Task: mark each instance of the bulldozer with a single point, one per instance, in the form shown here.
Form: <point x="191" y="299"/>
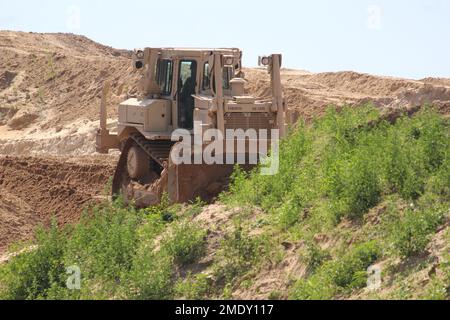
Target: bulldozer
<point x="189" y="91"/>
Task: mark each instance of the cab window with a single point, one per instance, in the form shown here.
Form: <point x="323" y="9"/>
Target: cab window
<point x="207" y="74"/>
<point x="164" y="76"/>
<point x="227" y="75"/>
<point x="206" y="82"/>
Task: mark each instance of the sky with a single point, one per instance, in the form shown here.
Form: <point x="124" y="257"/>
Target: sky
<point x="403" y="38"/>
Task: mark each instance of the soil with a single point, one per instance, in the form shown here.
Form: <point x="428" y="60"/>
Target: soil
<point x="35" y="190"/>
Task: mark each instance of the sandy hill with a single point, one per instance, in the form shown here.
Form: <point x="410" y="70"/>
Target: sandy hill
<point x="50" y="90"/>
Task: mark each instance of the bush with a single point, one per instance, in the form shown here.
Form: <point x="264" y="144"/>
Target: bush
<point x="239" y="252"/>
<point x="30" y="275"/>
<point x="405" y="168"/>
<point x="347" y="273"/>
<point x="434" y="138"/>
<point x="439" y="183"/>
<point x="289" y="213"/>
<point x="186" y="243"/>
<point x="437" y="290"/>
<point x="416" y="149"/>
<point x="193" y="287"/>
<point x="354" y="185"/>
<point x="104" y="242"/>
<point x="315" y="256"/>
<point x="151" y="276"/>
<point x="411" y="233"/>
<point x="351" y="159"/>
<point x="102" y="245"/>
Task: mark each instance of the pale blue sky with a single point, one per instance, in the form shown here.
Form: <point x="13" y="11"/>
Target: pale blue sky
<point x="407" y="38"/>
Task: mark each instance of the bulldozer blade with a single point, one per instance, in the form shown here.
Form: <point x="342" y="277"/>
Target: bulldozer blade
<point x="189" y="182"/>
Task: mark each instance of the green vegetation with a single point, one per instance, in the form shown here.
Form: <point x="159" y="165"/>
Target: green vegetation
<point x="239" y="252"/>
<point x="352" y="191"/>
<point x="411" y="232"/>
<point x="345" y="273"/>
<point x="186" y="243"/>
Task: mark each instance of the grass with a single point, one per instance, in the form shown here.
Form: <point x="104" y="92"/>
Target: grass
<point x="351" y="192"/>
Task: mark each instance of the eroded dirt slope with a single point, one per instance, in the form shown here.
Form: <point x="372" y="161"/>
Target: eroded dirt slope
<point x="34" y="190"/>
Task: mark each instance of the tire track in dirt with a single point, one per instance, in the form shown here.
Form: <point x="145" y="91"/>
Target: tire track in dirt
<point x="34" y="190"/>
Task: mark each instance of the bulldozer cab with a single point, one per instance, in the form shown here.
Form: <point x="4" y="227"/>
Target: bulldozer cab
<point x="187" y="74"/>
<point x="184" y="77"/>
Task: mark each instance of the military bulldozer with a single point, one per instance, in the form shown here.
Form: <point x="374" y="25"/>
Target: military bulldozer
<point x="189" y="91"/>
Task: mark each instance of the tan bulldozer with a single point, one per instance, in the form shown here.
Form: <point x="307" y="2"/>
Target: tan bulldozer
<point x="185" y="94"/>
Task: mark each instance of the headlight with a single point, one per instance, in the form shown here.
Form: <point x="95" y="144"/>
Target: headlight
<point x="228" y="60"/>
<point x="140" y="54"/>
<point x="264" y="61"/>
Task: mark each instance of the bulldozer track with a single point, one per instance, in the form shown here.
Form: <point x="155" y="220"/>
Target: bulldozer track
<point x="159" y="151"/>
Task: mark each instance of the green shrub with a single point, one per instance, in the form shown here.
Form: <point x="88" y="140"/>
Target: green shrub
<point x="416" y="149"/>
<point x="434" y="138"/>
<point x="411" y="233"/>
<point x="320" y="286"/>
<point x="151" y="276"/>
<point x="289" y="213"/>
<point x="436" y="290"/>
<point x="31" y="275"/>
<point x="404" y="168"/>
<point x="193" y="287"/>
<point x="354" y="186"/>
<point x="340" y="275"/>
<point x="239" y="252"/>
<point x="186" y="243"/>
<point x="163" y="210"/>
<point x="315" y="256"/>
<point x="439" y="183"/>
<point x="347" y="271"/>
<point x="103" y="244"/>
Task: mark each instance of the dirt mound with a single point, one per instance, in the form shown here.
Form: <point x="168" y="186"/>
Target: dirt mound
<point x="308" y="94"/>
<point x="35" y="189"/>
<point x="437" y="81"/>
<point x="61" y="75"/>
